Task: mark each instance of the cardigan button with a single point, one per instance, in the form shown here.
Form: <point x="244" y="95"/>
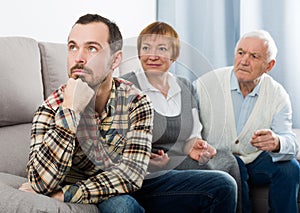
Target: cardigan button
<point x="237" y="141"/>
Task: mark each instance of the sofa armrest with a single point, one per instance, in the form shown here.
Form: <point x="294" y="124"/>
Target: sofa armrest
<point x="14" y="200"/>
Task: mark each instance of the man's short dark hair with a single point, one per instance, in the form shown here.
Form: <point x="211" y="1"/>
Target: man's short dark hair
<point x="115" y="39"/>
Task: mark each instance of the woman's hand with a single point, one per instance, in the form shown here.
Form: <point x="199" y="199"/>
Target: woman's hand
<point x="160" y="159"/>
<point x="201" y="151"/>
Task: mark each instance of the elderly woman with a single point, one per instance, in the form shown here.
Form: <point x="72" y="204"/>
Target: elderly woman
<point x="177" y="141"/>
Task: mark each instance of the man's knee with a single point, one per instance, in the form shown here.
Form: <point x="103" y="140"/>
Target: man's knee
<point x="291" y="169"/>
<point x="121" y="204"/>
<point x="230" y="184"/>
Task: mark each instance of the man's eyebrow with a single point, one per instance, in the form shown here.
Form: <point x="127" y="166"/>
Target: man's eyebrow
<point x="88" y="43"/>
<point x="257" y="54"/>
<point x="71" y="42"/>
<point x="95" y="43"/>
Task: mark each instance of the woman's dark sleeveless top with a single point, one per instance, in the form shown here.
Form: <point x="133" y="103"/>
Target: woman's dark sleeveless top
<point x="170" y="132"/>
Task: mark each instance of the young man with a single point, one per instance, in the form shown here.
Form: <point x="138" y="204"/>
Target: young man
<point x="254" y="121"/>
<point x="91" y="139"/>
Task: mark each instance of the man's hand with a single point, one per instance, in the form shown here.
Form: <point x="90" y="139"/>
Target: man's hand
<point x="160" y="159"/>
<point x="77" y="95"/>
<point x="266" y="140"/>
<point x="59" y="195"/>
<point x="26" y="187"/>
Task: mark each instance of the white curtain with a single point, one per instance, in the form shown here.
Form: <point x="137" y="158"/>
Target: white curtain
<point x="209" y="29"/>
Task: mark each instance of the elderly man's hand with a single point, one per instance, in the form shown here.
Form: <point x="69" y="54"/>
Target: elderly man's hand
<point x="266" y="140"/>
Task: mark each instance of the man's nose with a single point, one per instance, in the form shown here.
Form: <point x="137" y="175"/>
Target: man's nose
<point x="80" y="57"/>
<point x="245" y="59"/>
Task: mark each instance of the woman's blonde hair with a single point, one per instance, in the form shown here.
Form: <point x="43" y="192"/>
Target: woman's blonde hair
<point x="164" y="29"/>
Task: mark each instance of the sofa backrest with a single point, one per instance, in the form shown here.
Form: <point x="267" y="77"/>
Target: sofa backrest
<point x="20" y="80"/>
<point x="54" y="65"/>
<point x="29" y="71"/>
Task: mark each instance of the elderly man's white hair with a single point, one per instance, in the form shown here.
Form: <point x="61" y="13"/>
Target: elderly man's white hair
<point x="265" y="36"/>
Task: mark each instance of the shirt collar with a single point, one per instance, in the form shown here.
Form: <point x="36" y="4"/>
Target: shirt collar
<point x="146" y="86"/>
<point x="111" y="103"/>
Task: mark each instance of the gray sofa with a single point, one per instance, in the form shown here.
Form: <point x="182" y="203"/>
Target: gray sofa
<point x="30" y="71"/>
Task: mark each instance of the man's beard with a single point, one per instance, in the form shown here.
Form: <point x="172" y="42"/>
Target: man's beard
<point x="81" y="67"/>
<point x="90" y="72"/>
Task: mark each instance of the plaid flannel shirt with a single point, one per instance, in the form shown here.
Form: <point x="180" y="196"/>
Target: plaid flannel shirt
<point x="91" y="157"/>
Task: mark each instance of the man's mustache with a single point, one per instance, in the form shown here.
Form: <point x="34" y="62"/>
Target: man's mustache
<point x="81" y="67"/>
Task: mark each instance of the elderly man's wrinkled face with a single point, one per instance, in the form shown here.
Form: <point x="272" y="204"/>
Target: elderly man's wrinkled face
<point x="250" y="60"/>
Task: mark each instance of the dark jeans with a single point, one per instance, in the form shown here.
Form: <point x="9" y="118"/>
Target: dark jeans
<point x="188" y="191"/>
<point x="179" y="191"/>
<point x="282" y="177"/>
<point x="120" y="204"/>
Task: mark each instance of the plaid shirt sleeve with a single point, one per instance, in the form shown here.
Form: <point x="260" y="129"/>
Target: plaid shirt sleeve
<point x="52" y="144"/>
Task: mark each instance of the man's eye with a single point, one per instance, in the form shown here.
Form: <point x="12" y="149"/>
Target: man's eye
<point x="240" y="52"/>
<point x="93" y="49"/>
<point x="72" y="48"/>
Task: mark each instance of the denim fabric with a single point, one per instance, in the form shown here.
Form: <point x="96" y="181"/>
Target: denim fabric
<point x="120" y="204"/>
<point x="188" y="191"/>
<point x="282" y="177"/>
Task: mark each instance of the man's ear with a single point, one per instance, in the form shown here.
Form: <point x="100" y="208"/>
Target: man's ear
<point x="117" y="59"/>
<point x="270" y="65"/>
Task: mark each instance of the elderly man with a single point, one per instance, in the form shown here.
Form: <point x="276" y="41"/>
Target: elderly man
<point x="246" y="111"/>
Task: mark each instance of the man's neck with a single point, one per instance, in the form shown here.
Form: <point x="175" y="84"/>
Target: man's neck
<point x="103" y="94"/>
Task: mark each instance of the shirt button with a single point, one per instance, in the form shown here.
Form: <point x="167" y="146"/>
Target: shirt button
<point x="237" y="141"/>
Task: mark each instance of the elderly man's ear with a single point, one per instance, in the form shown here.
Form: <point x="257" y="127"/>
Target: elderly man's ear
<point x="270" y="65"/>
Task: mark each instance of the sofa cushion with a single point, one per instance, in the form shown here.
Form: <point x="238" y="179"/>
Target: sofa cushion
<point x="259" y="198"/>
<point x="20" y="80"/>
<point x="14" y="200"/>
<point x="14" y="150"/>
<point x="54" y="65"/>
